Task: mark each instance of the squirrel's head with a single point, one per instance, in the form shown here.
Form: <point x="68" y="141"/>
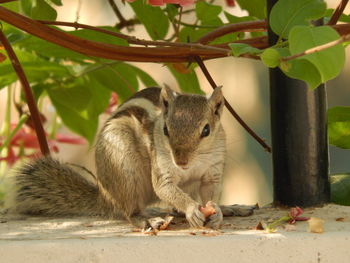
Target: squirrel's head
<point x="190" y="123"/>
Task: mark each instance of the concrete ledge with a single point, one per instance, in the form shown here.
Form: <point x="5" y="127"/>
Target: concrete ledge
<point x="88" y="240"/>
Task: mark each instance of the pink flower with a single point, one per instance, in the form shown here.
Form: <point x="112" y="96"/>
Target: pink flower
<point x="113" y="101"/>
<point x="295" y="213"/>
<point x="68" y="139"/>
<point x="291" y="218"/>
<point x="26" y="138"/>
<point x="230" y="3"/>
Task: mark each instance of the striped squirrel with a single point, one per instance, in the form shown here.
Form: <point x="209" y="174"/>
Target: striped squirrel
<point x="158" y="145"/>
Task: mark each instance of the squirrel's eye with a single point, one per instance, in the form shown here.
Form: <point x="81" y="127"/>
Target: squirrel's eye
<point x="165" y="130"/>
<point x="206" y="131"/>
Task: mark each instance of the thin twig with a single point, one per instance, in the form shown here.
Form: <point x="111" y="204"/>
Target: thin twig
<point x="6" y="1"/>
<point x="77" y="13"/>
<point x="122" y="21"/>
<point x="77" y="25"/>
<point x="229" y="107"/>
<point x="177" y="27"/>
<point x="337" y="13"/>
<point x="34" y="112"/>
<point x="130" y="39"/>
<point x="318" y="48"/>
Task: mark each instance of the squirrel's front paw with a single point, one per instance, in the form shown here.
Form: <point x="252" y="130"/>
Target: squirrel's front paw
<point x="194" y="216"/>
<point x="214" y="221"/>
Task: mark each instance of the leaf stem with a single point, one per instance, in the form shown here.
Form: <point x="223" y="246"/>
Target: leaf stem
<point x="278" y="222"/>
<point x="8" y="139"/>
<point x="318" y="48"/>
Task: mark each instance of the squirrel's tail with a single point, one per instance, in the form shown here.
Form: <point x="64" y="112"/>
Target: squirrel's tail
<point x="50" y="188"/>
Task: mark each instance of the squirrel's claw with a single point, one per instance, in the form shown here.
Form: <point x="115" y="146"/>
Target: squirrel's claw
<point x="214" y="221"/>
<point x="194" y="216"/>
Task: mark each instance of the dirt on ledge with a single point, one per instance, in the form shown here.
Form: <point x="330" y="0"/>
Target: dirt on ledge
<point x="336" y="218"/>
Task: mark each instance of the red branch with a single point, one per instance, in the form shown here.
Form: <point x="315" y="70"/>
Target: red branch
<point x="114" y="52"/>
<point x="338" y="11"/>
<point x="227" y="29"/>
<point x="172" y="52"/>
<point x="34" y="113"/>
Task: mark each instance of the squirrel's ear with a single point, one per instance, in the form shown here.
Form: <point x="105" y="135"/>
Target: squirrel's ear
<point x="167" y="96"/>
<point x="217" y="101"/>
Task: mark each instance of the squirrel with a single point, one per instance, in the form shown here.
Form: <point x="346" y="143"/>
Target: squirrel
<point x="158" y="145"/>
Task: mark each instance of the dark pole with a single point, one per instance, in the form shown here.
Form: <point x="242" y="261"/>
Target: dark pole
<point x="299" y="139"/>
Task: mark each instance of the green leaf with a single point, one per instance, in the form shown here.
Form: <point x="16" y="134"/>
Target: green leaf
<point x="187" y="82"/>
<point x="299" y="69"/>
<point x="79" y="105"/>
<point x="172" y="11"/>
<point x="146" y="79"/>
<point x="340" y="189"/>
<point x="271" y="57"/>
<point x="99" y="37"/>
<point x="236" y="19"/>
<point x="36" y="69"/>
<point x="26" y="7"/>
<point x="255" y="8"/>
<point x="208" y="16"/>
<point x="38" y="90"/>
<point x="190" y="34"/>
<point x="286" y="14"/>
<point x="329" y="62"/>
<point x="342" y="18"/>
<point x="153" y="18"/>
<point x="13" y="6"/>
<point x="13" y="34"/>
<point x="56" y="2"/>
<point x="206" y="11"/>
<point x="241" y="48"/>
<point x="303" y="70"/>
<point x="119" y="77"/>
<point x="42" y="10"/>
<point x="339" y="126"/>
<point x="48" y="50"/>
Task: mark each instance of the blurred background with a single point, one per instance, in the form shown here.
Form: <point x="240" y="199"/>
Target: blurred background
<point x="248" y="176"/>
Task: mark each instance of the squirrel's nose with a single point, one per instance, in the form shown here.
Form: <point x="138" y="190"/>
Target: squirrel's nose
<point x="182" y="164"/>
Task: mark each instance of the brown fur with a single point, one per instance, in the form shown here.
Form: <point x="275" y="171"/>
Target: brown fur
<point x="137" y="163"/>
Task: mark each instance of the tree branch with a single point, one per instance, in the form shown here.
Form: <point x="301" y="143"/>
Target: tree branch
<point x="338" y="11"/>
<point x="6" y="1"/>
<point x="165" y="51"/>
<point x="34" y="112"/>
<point x="231" y="28"/>
<point x="229" y="107"/>
<point x="114" y="52"/>
<point x="134" y="40"/>
<point x="318" y="48"/>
